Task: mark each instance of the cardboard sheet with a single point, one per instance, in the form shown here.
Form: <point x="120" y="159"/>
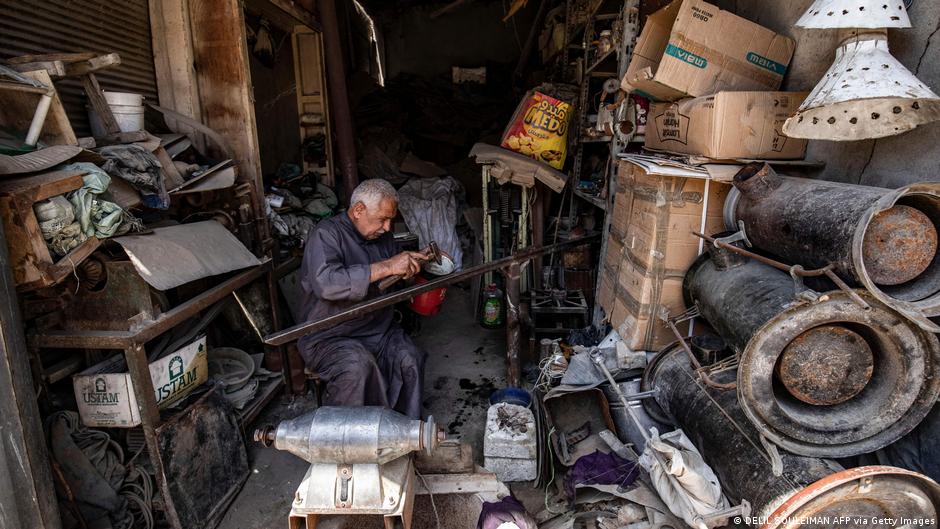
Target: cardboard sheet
<point x="175" y="255"/>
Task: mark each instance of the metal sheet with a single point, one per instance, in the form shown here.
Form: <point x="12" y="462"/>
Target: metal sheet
<point x="175" y="255"/>
<point x="32" y="27"/>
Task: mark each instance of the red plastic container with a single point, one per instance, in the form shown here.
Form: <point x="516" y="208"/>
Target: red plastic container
<point x="428" y="303"/>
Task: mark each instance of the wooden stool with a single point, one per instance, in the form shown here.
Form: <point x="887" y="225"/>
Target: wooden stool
<point x="318" y="384"/>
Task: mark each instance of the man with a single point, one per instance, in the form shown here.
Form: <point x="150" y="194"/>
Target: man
<point x="368" y="361"/>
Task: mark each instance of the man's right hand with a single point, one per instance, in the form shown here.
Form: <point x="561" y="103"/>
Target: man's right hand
<point x="405" y="264"/>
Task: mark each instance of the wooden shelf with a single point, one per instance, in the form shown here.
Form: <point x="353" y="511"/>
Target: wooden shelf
<point x="601" y="59"/>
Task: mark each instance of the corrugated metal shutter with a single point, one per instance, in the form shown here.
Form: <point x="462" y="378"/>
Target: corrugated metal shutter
<point x="30" y="27"/>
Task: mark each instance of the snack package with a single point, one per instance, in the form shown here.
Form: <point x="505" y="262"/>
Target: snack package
<point x="539" y="129"/>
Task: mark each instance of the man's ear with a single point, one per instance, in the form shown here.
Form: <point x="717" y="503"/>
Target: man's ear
<point x="357" y="209"/>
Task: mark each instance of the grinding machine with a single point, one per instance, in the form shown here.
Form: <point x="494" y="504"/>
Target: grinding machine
<point x="835" y="374"/>
<point x="884" y="240"/>
<point x="359" y="459"/>
<point x="784" y="490"/>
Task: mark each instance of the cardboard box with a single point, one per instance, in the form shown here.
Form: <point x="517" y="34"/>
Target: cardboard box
<point x="693" y="48"/>
<point x="106" y="397"/>
<point x="727" y="125"/>
<point x="660" y="213"/>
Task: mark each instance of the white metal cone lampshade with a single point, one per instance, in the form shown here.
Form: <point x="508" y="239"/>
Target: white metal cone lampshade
<point x="865" y="94"/>
<point x="869" y="14"/>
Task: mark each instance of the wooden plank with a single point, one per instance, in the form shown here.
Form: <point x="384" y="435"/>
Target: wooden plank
<point x="53" y="68"/>
<point x="99" y="104"/>
<point x="173" y="177"/>
<point x="52" y="57"/>
<point x="177" y="87"/>
<point x="18" y="108"/>
<point x="480" y="482"/>
<point x="220" y="51"/>
<point x="26" y="485"/>
<point x="92" y="65"/>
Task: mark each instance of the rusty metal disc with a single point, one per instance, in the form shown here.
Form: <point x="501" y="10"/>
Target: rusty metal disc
<point x="902" y="390"/>
<point x="826" y="365"/>
<point x="869" y="496"/>
<point x="899" y="245"/>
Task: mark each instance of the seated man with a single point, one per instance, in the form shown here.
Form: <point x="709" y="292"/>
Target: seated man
<point x="368" y="361"/>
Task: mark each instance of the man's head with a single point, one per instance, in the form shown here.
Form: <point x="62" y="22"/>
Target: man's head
<point x="372" y="207"/>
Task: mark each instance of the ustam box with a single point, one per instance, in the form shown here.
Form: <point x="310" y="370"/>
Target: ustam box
<point x="727" y="125"/>
<point x="661" y="207"/>
<point x="693" y="48"/>
<point x="106" y="397"/>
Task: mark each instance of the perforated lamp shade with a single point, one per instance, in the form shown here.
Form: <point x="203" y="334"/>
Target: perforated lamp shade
<point x="867" y="14"/>
<point x="865" y="94"/>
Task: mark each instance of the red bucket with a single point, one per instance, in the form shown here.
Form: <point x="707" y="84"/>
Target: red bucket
<point x="428" y="303"/>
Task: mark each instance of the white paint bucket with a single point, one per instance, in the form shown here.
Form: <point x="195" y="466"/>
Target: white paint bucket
<point x="128" y="110"/>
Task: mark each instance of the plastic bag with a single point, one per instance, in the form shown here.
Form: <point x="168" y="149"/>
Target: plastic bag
<point x="700" y="492"/>
<point x="539" y="129"/>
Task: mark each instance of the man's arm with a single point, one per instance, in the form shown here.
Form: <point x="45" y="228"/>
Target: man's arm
<point x="325" y="273"/>
<point x="405" y="264"/>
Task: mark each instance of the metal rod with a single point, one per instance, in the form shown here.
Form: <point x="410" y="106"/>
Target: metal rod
<point x="513" y="334"/>
<point x="795" y="269"/>
<point x="298" y="331"/>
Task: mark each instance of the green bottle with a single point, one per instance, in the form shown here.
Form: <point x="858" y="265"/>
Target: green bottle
<point x="492" y="306"/>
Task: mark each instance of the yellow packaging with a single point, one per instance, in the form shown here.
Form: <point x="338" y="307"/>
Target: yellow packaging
<point x="539" y="129"/>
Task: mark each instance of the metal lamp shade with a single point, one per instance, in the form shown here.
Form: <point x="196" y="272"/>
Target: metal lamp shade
<point x="866" y="94"/>
<point x="833" y="14"/>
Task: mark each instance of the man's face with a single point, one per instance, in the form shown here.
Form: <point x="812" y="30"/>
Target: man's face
<point x="371" y="223"/>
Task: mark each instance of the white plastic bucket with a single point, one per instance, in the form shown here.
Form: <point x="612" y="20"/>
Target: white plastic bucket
<point x="128" y="110"/>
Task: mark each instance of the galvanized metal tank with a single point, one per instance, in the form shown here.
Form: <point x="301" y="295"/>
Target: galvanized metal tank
<point x="807" y="491"/>
<point x="882" y="239"/>
<point x="824" y="378"/>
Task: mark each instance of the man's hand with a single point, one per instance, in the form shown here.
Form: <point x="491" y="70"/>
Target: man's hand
<point x="405" y="264"/>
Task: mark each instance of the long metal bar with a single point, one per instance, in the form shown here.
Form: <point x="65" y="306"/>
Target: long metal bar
<point x="298" y="331"/>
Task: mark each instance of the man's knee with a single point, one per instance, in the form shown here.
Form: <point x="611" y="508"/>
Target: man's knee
<point x="355" y="360"/>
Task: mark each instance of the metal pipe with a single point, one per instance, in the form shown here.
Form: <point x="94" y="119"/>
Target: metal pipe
<point x="339" y="96"/>
<point x="882" y="239"/>
<point x="513" y="333"/>
<point x="39" y="118"/>
<point x="803" y="487"/>
<point x="298" y="331"/>
<point x="817" y="375"/>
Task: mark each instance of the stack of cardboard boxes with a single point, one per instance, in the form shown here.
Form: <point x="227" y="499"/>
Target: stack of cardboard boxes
<point x="712" y="77"/>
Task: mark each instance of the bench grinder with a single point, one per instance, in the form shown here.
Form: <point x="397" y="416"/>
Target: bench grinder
<point x="359" y="461"/>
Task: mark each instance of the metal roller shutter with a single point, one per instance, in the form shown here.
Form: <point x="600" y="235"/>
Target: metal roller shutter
<point x="30" y="27"/>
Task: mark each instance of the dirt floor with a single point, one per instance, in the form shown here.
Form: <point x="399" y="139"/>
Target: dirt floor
<point x="465" y="364"/>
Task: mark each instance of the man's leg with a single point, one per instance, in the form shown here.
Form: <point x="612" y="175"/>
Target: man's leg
<point x="351" y="374"/>
<point x="402" y="363"/>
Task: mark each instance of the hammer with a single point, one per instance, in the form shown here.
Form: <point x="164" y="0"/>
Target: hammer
<point x="431" y="253"/>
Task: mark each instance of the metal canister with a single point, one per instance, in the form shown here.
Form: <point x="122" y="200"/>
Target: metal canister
<point x="884" y="240"/>
<point x="804" y="491"/>
<point x="819" y="376"/>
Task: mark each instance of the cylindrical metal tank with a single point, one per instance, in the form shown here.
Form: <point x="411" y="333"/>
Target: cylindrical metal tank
<point x="806" y="488"/>
<point x="882" y="239"/>
<point x="352" y="435"/>
<point x="826" y="378"/>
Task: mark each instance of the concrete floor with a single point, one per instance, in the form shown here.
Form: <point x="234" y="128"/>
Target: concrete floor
<point x="465" y="364"/>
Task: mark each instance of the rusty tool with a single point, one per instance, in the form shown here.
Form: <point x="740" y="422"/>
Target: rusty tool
<point x="431" y="253"/>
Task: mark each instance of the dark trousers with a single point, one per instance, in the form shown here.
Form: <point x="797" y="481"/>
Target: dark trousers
<point x="389" y="374"/>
